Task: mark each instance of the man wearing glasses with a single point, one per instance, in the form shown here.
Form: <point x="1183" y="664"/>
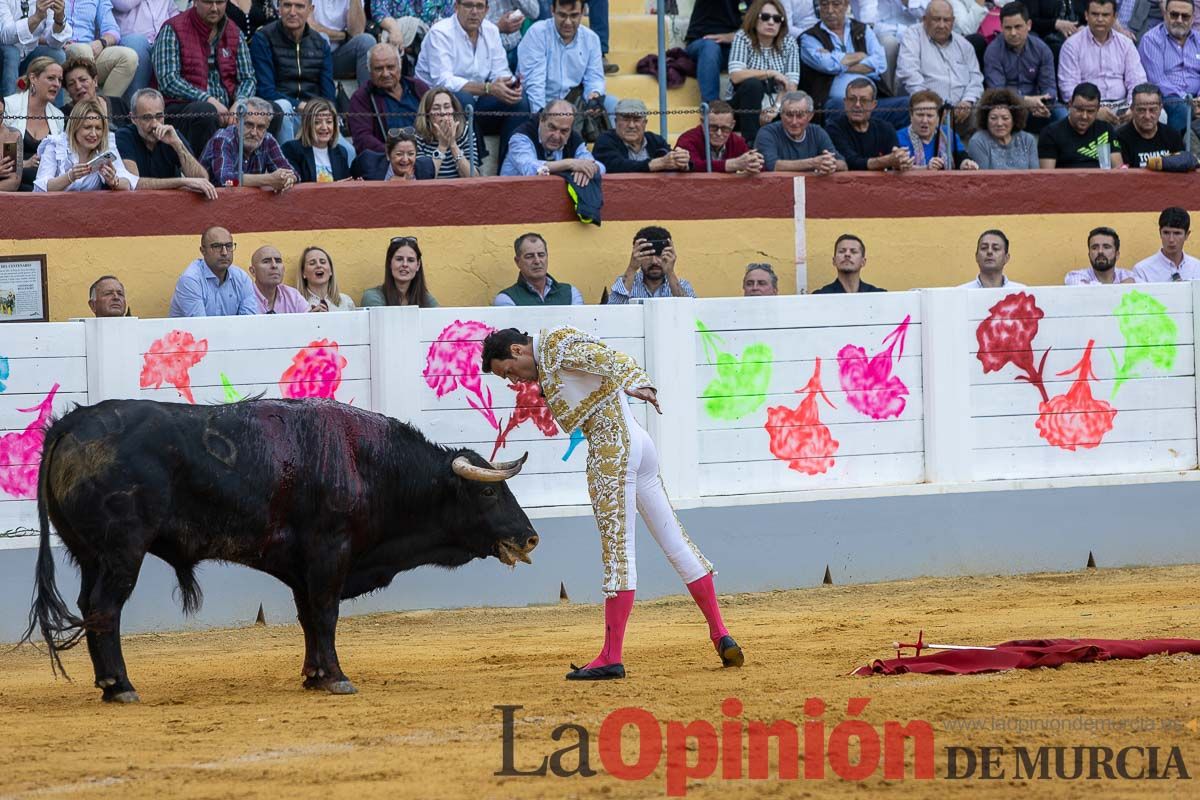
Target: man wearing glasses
<point x="727" y="150"/>
<point x="211" y="286"/>
<point x="1170" y="52"/>
<point x="1170" y="263"/>
<point x="154" y="152"/>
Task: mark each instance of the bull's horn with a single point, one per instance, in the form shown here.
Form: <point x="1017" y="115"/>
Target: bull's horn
<point x="507" y="465"/>
<point x="465" y="469"/>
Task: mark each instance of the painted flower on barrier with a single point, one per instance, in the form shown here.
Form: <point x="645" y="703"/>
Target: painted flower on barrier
<point x="170" y="359"/>
<point x="869" y="384"/>
<point x="21" y="453"/>
<point x="1150" y="335"/>
<point x="453" y="362"/>
<point x="741" y="383"/>
<point x="1076" y="419"/>
<point x="797" y="435"/>
<point x="1006" y="337"/>
<point x="530" y="405"/>
<point x="316" y="371"/>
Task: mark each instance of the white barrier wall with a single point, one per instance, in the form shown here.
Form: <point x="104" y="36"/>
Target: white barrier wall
<point x="762" y="396"/>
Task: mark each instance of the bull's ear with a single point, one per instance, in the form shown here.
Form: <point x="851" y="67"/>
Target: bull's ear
<point x="465" y="469"/>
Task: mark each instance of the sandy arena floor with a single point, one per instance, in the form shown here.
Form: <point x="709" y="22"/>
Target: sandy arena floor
<point x="223" y="714"/>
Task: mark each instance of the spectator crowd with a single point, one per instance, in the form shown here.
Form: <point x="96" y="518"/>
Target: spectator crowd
<point x="129" y="94"/>
<point x="213" y="285"/>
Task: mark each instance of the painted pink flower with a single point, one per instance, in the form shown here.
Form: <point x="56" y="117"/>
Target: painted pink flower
<point x="170" y="359"/>
<point x="316" y="371"/>
<point x="453" y="362"/>
<point x="1006" y="337"/>
<point x="21" y="453"/>
<point x="797" y="436"/>
<point x="869" y="384"/>
<point x="1076" y="419"/>
<point x="530" y="405"/>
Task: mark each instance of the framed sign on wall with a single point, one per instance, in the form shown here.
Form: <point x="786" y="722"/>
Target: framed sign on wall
<point x="23" y="295"/>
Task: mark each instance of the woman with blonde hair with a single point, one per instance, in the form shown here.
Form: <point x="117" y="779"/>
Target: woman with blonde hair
<point x="84" y="157"/>
<point x="32" y="113"/>
<point x="318" y="283"/>
<point x="316" y="155"/>
<point x="443" y="136"/>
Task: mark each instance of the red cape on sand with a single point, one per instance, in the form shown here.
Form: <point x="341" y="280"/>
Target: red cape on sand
<point x="1027" y="654"/>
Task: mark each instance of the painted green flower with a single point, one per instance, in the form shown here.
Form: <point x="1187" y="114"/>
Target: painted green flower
<point x="740" y="387"/>
<point x="1150" y="335"/>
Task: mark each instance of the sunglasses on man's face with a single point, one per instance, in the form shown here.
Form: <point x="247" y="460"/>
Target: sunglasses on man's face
<point x="771" y="18"/>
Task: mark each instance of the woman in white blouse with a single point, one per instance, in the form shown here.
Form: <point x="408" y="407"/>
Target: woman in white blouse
<point x="318" y="284"/>
<point x="65" y="157"/>
<point x="764" y="63"/>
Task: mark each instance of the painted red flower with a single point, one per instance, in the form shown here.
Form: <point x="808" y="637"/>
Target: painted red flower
<point x="170" y="359"/>
<point x="1076" y="419"/>
<point x="530" y="405"/>
<point x="1006" y="337"/>
<point x="797" y="435"/>
<point x="870" y="385"/>
<point x="21" y="453"/>
<point x="316" y="371"/>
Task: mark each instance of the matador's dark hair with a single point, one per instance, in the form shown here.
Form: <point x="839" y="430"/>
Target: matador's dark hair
<point x="498" y="345"/>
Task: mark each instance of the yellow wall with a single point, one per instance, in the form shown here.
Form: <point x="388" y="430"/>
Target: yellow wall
<point x="925" y="252"/>
<point x="465" y="266"/>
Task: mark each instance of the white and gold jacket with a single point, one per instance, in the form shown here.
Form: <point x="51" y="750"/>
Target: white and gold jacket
<point x="579" y="374"/>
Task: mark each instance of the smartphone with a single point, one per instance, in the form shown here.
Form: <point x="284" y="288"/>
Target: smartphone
<point x="99" y="161"/>
<point x="659" y="245"/>
<point x="10" y="150"/>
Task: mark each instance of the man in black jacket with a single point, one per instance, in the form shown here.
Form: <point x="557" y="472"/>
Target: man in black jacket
<point x="293" y="64"/>
<point x="631" y="148"/>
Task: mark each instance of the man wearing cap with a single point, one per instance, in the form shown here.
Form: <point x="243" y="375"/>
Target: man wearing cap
<point x="631" y="148"/>
<point x="558" y="55"/>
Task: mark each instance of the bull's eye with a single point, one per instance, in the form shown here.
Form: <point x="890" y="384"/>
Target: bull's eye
<point x="489" y="492"/>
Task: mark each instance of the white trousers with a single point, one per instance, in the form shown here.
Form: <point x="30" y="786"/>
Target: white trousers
<point x="623" y="481"/>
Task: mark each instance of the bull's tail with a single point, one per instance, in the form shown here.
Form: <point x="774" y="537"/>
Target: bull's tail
<point x="60" y="629"/>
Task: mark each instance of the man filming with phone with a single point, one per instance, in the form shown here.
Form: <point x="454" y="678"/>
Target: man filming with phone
<point x="651" y="270"/>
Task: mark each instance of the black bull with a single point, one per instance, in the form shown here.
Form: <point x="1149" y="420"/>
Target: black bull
<point x="331" y="500"/>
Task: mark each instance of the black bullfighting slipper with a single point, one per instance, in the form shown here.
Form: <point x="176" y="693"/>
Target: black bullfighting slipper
<point x="731" y="652"/>
<point x="607" y="672"/>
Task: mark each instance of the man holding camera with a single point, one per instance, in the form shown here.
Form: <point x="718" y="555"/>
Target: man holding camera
<point x="651" y="270"/>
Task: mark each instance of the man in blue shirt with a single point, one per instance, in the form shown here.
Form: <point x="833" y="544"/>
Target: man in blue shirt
<point x="96" y="36"/>
<point x="211" y="286"/>
<point x="549" y="145"/>
<point x="557" y="55"/>
<point x="1170" y="52"/>
<point x="1020" y="61"/>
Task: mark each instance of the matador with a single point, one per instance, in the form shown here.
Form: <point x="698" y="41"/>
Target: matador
<point x="587" y="385"/>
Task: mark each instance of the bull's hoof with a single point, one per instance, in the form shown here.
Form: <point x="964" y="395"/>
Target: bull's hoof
<point x="343" y="686"/>
<point x="127" y="696"/>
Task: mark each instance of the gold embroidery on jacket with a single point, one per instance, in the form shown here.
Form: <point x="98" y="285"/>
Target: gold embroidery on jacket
<point x="565" y="347"/>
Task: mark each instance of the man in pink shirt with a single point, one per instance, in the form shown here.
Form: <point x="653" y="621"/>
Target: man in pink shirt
<point x="1096" y="54"/>
<point x="274" y="297"/>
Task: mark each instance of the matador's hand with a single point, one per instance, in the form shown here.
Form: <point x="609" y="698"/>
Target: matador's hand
<point x="646" y="393"/>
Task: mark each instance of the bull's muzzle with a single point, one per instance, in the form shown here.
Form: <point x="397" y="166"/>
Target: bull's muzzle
<point x="509" y="552"/>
